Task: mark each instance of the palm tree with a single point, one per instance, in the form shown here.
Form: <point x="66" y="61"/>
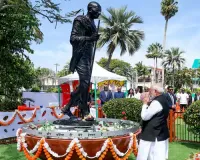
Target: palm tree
<point x="173" y="59"/>
<point x="117" y="32"/>
<point x="142" y="70"/>
<point x="168" y="9"/>
<point x="155" y="51"/>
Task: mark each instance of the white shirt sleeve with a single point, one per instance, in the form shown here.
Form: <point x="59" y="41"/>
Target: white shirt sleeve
<point x="148" y="113"/>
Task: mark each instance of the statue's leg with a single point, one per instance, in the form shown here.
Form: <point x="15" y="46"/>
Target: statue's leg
<point x="84" y="85"/>
<point x="74" y="97"/>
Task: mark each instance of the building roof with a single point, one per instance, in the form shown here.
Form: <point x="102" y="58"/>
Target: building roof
<point x="196" y="64"/>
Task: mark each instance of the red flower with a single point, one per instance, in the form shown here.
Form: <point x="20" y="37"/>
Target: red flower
<point x="123" y="113"/>
<point x="125" y="118"/>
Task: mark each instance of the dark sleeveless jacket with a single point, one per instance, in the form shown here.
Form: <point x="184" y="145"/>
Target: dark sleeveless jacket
<point x="157" y="127"/>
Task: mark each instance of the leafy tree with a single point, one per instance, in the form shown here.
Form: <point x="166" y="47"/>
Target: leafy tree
<point x="43" y="73"/>
<point x="169" y="8"/>
<point x="173" y="60"/>
<point x="16" y="73"/>
<point x="65" y="71"/>
<point x="119" y="67"/>
<point x="19" y="28"/>
<point x="118" y="32"/>
<point x="155" y="51"/>
<point x="142" y="71"/>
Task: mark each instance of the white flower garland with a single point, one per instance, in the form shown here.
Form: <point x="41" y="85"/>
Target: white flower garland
<point x="21" y="141"/>
<point x="18" y="139"/>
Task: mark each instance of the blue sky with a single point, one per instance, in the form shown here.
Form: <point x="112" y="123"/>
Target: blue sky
<point x="183" y="32"/>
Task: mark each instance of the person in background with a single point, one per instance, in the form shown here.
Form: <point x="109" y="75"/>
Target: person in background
<point x="198" y="96"/>
<point x="154" y="137"/>
<point x="130" y="93"/>
<point x="183" y="99"/>
<point x="189" y="98"/>
<point x="105" y="95"/>
<point x="119" y="93"/>
<point x="171" y="98"/>
<point x="137" y="94"/>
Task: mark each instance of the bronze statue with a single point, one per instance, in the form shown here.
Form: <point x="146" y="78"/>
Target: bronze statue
<point x="83" y="37"/>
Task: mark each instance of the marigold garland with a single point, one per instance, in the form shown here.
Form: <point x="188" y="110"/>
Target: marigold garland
<point x="76" y="147"/>
<point x="20" y="116"/>
<point x="61" y="115"/>
<point x="3" y="123"/>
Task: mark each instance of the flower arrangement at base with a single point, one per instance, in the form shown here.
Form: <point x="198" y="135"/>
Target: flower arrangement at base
<point x="194" y="156"/>
<point x="75" y="146"/>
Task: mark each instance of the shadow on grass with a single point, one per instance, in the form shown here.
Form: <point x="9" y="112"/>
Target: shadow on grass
<point x="191" y="145"/>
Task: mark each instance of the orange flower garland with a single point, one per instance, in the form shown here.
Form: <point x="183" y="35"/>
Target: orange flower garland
<point x="55" y="114"/>
<point x="37" y="154"/>
<point x="30" y="119"/>
<point x="77" y="149"/>
<point x="20" y="116"/>
<point x="9" y="122"/>
<point x="135" y="148"/>
<point x="61" y="115"/>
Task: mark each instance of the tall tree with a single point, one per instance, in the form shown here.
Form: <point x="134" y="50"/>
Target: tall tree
<point x="173" y="59"/>
<point x="65" y="71"/>
<point x="142" y="71"/>
<point x="42" y="74"/>
<point x="155" y="51"/>
<point x="120" y="67"/>
<point x="117" y="32"/>
<point x="168" y="9"/>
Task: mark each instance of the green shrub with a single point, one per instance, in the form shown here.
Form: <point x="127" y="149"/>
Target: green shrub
<point x="92" y="93"/>
<point x="35" y="89"/>
<point x="126" y="107"/>
<point x="8" y="104"/>
<point x="192" y="117"/>
<point x="53" y="90"/>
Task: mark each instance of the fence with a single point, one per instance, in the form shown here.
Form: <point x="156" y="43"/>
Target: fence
<point x="179" y="130"/>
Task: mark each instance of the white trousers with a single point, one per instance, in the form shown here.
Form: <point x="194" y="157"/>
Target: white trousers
<point x="157" y="150"/>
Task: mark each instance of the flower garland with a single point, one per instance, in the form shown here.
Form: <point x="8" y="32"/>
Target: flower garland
<point x="3" y="123"/>
<point x="76" y="145"/>
<point x="61" y="115"/>
<point x="20" y="116"/>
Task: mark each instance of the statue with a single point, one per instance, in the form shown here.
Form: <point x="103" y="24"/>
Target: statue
<point x="83" y="37"/>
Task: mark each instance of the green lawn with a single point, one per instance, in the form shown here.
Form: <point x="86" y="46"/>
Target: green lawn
<point x="177" y="151"/>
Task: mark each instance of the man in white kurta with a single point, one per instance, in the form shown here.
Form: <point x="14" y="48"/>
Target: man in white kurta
<point x="153" y="150"/>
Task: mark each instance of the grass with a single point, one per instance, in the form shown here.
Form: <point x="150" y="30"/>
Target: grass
<point x="177" y="151"/>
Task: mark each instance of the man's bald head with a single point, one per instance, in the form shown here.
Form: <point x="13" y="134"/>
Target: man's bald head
<point x="94" y="9"/>
<point x="92" y="5"/>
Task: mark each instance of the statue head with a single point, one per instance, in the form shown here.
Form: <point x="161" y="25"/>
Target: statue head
<point x="94" y="10"/>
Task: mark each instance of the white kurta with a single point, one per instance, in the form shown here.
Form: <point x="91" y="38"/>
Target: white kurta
<point x="147" y="150"/>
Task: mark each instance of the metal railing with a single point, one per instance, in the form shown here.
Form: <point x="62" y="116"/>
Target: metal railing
<point x="179" y="130"/>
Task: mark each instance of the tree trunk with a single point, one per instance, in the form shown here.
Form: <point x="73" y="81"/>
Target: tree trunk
<point x="109" y="60"/>
<point x="156" y="70"/>
<point x="173" y="75"/>
<point x="144" y="82"/>
<point x="164" y="43"/>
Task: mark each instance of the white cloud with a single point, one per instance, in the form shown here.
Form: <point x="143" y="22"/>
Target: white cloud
<point x="47" y="58"/>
